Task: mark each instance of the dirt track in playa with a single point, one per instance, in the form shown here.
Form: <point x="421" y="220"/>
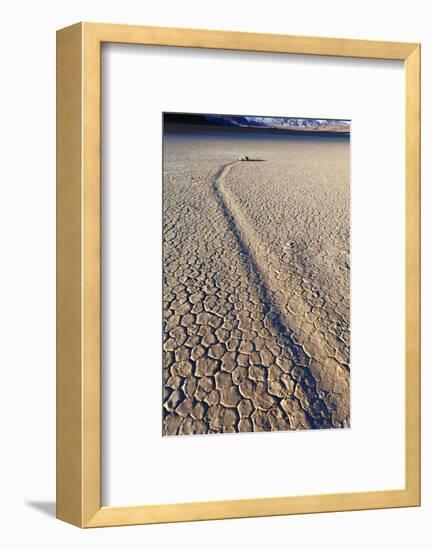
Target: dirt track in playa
<point x="256" y="283"/>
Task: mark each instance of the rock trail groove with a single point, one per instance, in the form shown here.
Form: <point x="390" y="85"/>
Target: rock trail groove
<point x="263" y="268"/>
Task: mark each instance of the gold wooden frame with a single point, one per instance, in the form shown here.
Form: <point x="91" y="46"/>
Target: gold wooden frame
<point x="78" y="275"/>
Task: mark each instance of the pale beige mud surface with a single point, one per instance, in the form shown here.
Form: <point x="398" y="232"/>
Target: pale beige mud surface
<point x="256" y="283"/>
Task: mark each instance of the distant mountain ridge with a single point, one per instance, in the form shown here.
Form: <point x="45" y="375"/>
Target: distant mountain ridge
<point x="281" y="123"/>
<point x="272" y="124"/>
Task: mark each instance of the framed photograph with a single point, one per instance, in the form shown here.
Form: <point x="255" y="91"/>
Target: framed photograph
<point x="238" y="275"/>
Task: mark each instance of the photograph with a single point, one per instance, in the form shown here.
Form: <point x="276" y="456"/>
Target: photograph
<point x="256" y="273"/>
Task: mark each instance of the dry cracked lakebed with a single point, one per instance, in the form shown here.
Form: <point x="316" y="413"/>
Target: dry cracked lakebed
<point x="256" y="284"/>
